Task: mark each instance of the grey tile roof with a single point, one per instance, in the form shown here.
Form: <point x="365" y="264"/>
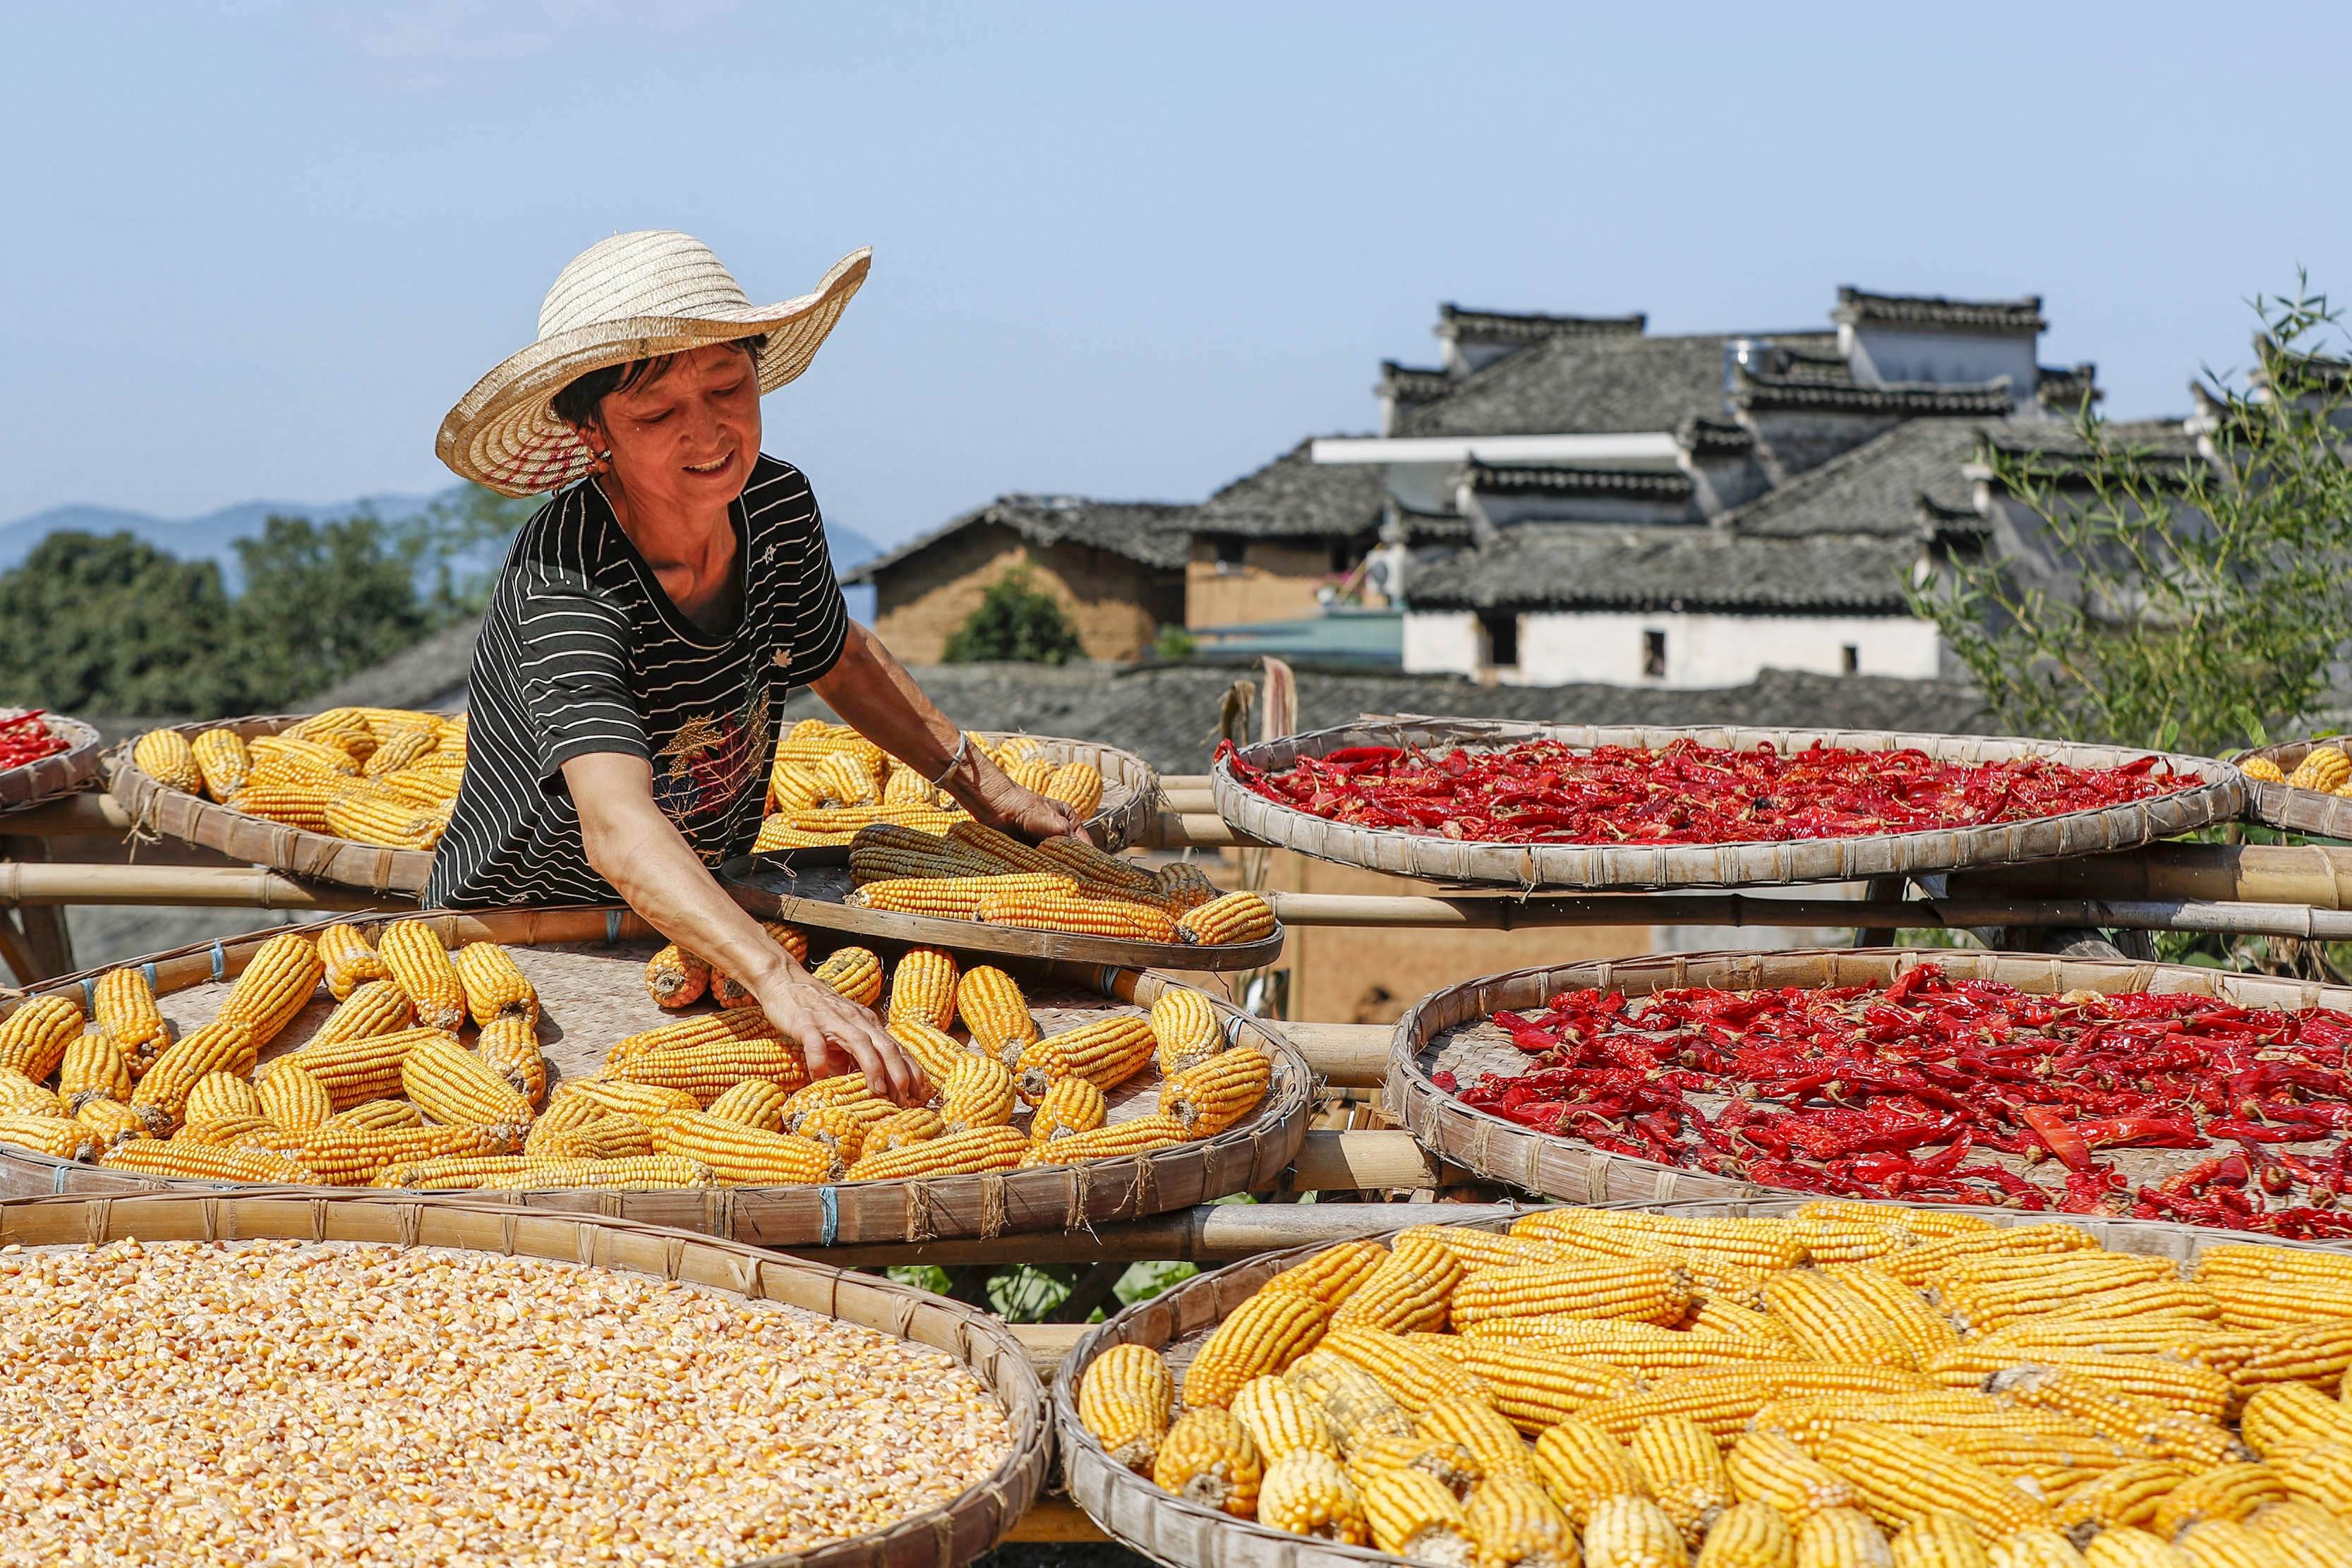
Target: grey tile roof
<point x="1167" y="714"/>
<point x="1157" y="533"/>
<point x="1573" y="566"/>
<point x="2063" y="387"/>
<point x="1412" y="382"/>
<point x="1294" y="497"/>
<point x="1713" y="439"/>
<point x="1540" y="480"/>
<point x="1875" y="489"/>
<point x="1843" y="395"/>
<point x="1861" y="305"/>
<point x="1590" y="385"/>
<point x="433" y="674"/>
<point x="1530" y="327"/>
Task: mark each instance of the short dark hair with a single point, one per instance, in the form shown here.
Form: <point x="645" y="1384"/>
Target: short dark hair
<point x="582" y="400"/>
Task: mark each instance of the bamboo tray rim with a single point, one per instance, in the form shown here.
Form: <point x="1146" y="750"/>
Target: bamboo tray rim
<point x="2219" y="795"/>
<point x="70" y="771"/>
<point x="1244" y="1157"/>
<point x="1572" y="1170"/>
<point x="1133" y="1511"/>
<point x="955" y="1531"/>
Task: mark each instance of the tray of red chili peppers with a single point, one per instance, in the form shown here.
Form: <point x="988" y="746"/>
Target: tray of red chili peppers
<point x="2156" y="1091"/>
<point x="44" y="756"/>
<point x="1564" y="806"/>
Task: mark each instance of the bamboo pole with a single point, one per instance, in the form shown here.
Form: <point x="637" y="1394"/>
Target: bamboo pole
<point x="1347" y="1056"/>
<point x="221" y="887"/>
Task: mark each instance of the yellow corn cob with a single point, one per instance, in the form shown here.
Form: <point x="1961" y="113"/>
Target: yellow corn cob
<point x="297" y="749"/>
<point x="291" y="1098"/>
<point x="366" y="815"/>
<point x="1077" y="784"/>
<point x="1208" y="1458"/>
<point x="1232" y="917"/>
<point x="793" y="787"/>
<point x="923" y="987"/>
<point x="1841" y="1538"/>
<point x="1413" y="1515"/>
<point x="1479" y="1249"/>
<point x="1183" y="885"/>
<point x="92" y="1068"/>
<point x="2125" y="1547"/>
<point x="375" y="1008"/>
<point x="1030" y="772"/>
<point x="414" y="953"/>
<point x="296" y="803"/>
<point x="2241" y="1261"/>
<point x="222" y="763"/>
<point x="1980" y="1310"/>
<point x="1113" y="1140"/>
<point x="1448" y="1464"/>
<point x="905" y="786"/>
<point x="614" y="1136"/>
<point x="1513" y="1521"/>
<point x="730" y="991"/>
<point x="2126" y="1494"/>
<point x="162" y="1095"/>
<point x="1534" y="1389"/>
<point x="842" y="1128"/>
<point x="651" y="1102"/>
<point x="676" y="978"/>
<point x="754" y="1102"/>
<point x="509" y="1047"/>
<point x="993" y="1009"/>
<point x="524" y="1173"/>
<point x="347" y="730"/>
<point x="234" y="1130"/>
<point x="2223" y="1543"/>
<point x="933" y="1051"/>
<point x="565" y="1114"/>
<point x="843" y="1088"/>
<point x="1724" y="1402"/>
<point x="1105" y="1053"/>
<point x="1125" y="1401"/>
<point x="855" y="972"/>
<point x="426" y="791"/>
<point x="1901" y="1479"/>
<point x="1307" y="1493"/>
<point x="1263" y="1334"/>
<point x="33" y="1038"/>
<point x="111" y="1121"/>
<point x="400" y="746"/>
<point x="363" y="1068"/>
<point x="125" y="1007"/>
<point x="1832" y="1236"/>
<point x="2319" y="1534"/>
<point x="1332" y="1275"/>
<point x="354" y="1156"/>
<point x="967" y="1154"/>
<point x="348" y="959"/>
<point x="165" y="756"/>
<point x="1401" y="1299"/>
<point x="2323" y="768"/>
<point x="1090" y="866"/>
<point x="219" y="1096"/>
<point x="205" y="1162"/>
<point x="902" y="1130"/>
<point x="2261" y="768"/>
<point x="870" y="861"/>
<point x="1080" y="913"/>
<point x="1643" y="1349"/>
<point x="1919" y="1329"/>
<point x="371" y="1113"/>
<point x="955" y="898"/>
<point x="1006" y="850"/>
<point x="706" y="1072"/>
<point x="1219" y="1092"/>
<point x="1765" y="1465"/>
<point x="1186" y="1030"/>
<point x="20" y="1096"/>
<point x="2227" y="1350"/>
<point x="2320" y="1474"/>
<point x="58" y="1137"/>
<point x="1685" y="1470"/>
<point x="1712" y="1315"/>
<point x="1353" y="1404"/>
<point x="978" y="1093"/>
<point x="735" y="1026"/>
<point x="845" y="779"/>
<point x="1626" y="1531"/>
<point x="2273" y="1304"/>
<point x="1751" y="1246"/>
<point x="1751" y="1535"/>
<point x="1071" y="1106"/>
<point x="1834" y="1322"/>
<point x="1917" y="1266"/>
<point x="2227" y="1492"/>
<point x="1472" y="1421"/>
<point x="2284" y="1416"/>
<point x="2192" y="1390"/>
<point x="1414" y="1378"/>
<point x="1646" y="1289"/>
<point x="452" y="1085"/>
<point x="2315" y="1353"/>
<point x="494" y="985"/>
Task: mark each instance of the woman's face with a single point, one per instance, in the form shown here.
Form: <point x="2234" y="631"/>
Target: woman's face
<point x="683" y="441"/>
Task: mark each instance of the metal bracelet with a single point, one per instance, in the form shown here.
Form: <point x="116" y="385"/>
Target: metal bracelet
<point x="963" y="749"/>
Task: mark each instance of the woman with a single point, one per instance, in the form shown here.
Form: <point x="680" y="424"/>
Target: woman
<point x="652" y="617"/>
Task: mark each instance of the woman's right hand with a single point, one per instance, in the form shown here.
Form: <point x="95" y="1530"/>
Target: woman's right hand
<point x="838" y="1036"/>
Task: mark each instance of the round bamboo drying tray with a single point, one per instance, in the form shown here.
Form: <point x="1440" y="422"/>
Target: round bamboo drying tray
<point x="971" y="1525"/>
<point x="158" y="808"/>
<point x="2217" y="798"/>
<point x="1130" y="802"/>
<point x="588" y="965"/>
<point x="1448" y="1031"/>
<point x="70" y="771"/>
<point x="2306" y="811"/>
<point x="811" y="896"/>
<point x="1171" y="1529"/>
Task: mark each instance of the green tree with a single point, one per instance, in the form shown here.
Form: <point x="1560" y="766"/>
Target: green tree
<point x="461" y="536"/>
<point x="322" y="600"/>
<point x="2164" y="599"/>
<point x="112" y="624"/>
<point x="1018" y="621"/>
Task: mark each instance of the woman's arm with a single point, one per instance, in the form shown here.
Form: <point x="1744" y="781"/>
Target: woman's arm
<point x="634" y="846"/>
<point x="875" y="695"/>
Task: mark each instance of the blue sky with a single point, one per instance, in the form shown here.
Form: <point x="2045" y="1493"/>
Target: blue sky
<point x="258" y="248"/>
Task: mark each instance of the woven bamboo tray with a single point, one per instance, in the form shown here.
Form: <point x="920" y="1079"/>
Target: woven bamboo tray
<point x="70" y="771"/>
<point x="1130" y="802"/>
<point x="811" y="896"/>
<point x="935" y="1538"/>
<point x="588" y="965"/>
<point x="1448" y="1031"/>
<point x="2305" y="811"/>
<point x="1166" y="1527"/>
<point x="1430" y="857"/>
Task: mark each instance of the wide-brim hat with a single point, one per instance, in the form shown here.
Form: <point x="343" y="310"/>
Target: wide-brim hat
<point x="631" y="297"/>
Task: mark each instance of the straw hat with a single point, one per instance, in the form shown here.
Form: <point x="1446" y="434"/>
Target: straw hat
<point x="628" y="298"/>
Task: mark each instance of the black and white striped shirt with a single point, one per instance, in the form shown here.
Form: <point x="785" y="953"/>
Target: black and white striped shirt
<point x="582" y="651"/>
